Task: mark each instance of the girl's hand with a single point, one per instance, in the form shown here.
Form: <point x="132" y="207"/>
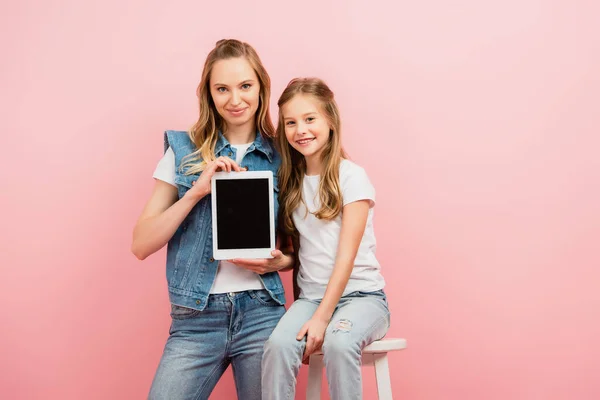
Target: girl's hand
<point x="201" y="187"/>
<point x="314" y="330"/>
<point x="263" y="265"/>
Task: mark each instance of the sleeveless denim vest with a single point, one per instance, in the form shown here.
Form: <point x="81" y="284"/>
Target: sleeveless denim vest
<point x="191" y="269"/>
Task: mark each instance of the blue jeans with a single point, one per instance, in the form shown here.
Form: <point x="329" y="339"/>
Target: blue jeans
<point x="232" y="329"/>
<point x="359" y="319"/>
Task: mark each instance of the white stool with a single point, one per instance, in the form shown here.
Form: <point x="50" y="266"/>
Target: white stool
<point x="374" y="354"/>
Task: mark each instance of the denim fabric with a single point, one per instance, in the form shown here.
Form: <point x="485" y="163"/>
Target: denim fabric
<point x="359" y="319"/>
<point x="231" y="329"/>
<point x="191" y="269"/>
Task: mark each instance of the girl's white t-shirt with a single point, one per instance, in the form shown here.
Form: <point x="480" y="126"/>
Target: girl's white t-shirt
<point x="230" y="277"/>
<point x="319" y="238"/>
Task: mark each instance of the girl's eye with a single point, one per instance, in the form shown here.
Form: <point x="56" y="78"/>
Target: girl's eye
<point x="289" y="123"/>
<point x="310" y="119"/>
<point x="246" y="86"/>
<point x="221" y="90"/>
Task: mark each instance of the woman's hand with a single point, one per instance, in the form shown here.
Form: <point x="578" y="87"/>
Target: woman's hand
<point x="201" y="187"/>
<point x="264" y="265"/>
<point x="314" y="330"/>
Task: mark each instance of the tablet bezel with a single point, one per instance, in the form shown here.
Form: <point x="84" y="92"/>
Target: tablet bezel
<point x="228" y="254"/>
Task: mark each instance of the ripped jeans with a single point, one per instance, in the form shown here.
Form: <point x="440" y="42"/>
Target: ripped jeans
<point x="359" y="319"/>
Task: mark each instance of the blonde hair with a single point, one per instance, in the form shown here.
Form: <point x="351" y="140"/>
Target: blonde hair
<point x="293" y="164"/>
<point x="205" y="131"/>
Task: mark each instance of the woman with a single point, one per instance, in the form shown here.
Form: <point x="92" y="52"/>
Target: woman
<point x="221" y="313"/>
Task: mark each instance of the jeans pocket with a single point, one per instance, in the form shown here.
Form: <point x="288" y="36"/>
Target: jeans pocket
<point x="180" y="312"/>
<point x="379" y="294"/>
<point x="263" y="297"/>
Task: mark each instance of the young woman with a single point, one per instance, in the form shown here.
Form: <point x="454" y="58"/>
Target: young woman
<point x="221" y="314"/>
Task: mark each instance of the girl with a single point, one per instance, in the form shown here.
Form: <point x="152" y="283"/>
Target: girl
<point x="327" y="204"/>
<point x="221" y="313"/>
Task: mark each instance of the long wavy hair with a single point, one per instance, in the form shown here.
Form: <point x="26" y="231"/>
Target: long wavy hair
<point x="293" y="164"/>
<point x="205" y="131"/>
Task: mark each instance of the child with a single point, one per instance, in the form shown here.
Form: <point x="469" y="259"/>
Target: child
<point x="327" y="204"/>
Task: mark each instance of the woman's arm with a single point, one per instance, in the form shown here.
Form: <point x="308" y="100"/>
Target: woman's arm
<point x="160" y="218"/>
<point x="283" y="259"/>
<point x="163" y="213"/>
<point x="354" y="221"/>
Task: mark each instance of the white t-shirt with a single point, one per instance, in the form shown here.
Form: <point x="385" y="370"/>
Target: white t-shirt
<point x="319" y="238"/>
<point x="230" y="277"/>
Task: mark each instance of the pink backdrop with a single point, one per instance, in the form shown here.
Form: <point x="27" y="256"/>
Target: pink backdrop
<point x="477" y="122"/>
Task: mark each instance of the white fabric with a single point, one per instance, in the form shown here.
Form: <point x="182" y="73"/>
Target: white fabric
<point x="230" y="277"/>
<point x="165" y="170"/>
<point x="319" y="238"/>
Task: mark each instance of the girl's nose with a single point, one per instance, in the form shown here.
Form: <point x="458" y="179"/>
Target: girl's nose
<point x="301" y="128"/>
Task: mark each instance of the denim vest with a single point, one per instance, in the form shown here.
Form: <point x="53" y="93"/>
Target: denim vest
<point x="191" y="269"/>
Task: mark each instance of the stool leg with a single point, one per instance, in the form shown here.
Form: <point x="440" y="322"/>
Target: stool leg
<point x="382" y="374"/>
<point x="315" y="374"/>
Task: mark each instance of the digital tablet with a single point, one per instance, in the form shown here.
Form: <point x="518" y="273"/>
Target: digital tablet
<point x="242" y="215"/>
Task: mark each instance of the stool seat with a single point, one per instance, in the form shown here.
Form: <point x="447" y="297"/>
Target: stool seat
<point x="374" y="354"/>
<point x="380" y="346"/>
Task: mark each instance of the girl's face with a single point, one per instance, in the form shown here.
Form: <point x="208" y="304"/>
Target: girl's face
<point x="306" y="127"/>
<point x="235" y="90"/>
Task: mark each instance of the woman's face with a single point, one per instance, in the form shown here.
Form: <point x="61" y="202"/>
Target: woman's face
<point x="235" y="90"/>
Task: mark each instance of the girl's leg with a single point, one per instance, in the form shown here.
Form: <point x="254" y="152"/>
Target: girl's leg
<point x="360" y="319"/>
<point x="255" y="315"/>
<point x="195" y="355"/>
<point x="283" y="353"/>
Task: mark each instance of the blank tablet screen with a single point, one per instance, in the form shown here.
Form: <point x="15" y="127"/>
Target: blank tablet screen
<point x="243" y="219"/>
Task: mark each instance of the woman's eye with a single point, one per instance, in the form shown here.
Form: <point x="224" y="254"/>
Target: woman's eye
<point x="221" y="90"/>
<point x="246" y="86"/>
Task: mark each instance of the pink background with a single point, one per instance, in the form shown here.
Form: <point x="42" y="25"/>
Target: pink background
<point x="477" y="122"/>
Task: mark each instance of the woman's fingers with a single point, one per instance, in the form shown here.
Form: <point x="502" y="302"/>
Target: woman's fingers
<point x="224" y="164"/>
<point x="230" y="165"/>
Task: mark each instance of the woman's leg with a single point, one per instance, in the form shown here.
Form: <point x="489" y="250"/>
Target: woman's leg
<point x="254" y="316"/>
<point x="359" y="319"/>
<point x="195" y="355"/>
<point x="283" y="353"/>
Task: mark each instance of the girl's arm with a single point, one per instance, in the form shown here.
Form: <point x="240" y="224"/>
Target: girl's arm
<point x="163" y="213"/>
<point x="354" y="221"/>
